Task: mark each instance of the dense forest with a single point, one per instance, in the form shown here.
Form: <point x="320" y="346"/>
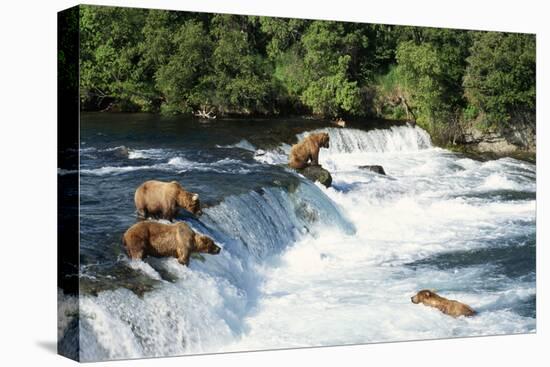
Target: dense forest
<point x="181" y="62"/>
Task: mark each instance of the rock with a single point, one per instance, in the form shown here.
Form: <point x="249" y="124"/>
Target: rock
<point x="317" y="173"/>
<point x="518" y="135"/>
<point x="374" y="168"/>
<point x="122" y="152"/>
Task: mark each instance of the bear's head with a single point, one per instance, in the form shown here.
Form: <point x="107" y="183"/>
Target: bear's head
<point x="323" y="140"/>
<point x="423" y="296"/>
<point x="206" y="245"/>
<point x="189" y="201"/>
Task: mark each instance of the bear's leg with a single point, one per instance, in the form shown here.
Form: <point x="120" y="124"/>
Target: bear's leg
<point x="136" y="253"/>
<point x="297" y="164"/>
<point x="173" y="213"/>
<point x="315" y="158"/>
<point x="168" y="213"/>
<point x="183" y="256"/>
<point x="141" y="213"/>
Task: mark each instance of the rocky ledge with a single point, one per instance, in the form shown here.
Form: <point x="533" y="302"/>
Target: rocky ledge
<point x="517" y="136"/>
<point x="317" y="173"/>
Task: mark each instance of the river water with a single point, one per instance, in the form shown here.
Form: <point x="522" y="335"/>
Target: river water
<point x="301" y="265"/>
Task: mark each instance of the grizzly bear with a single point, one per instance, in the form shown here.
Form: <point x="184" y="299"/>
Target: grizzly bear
<point x="156" y="239"/>
<point x="308" y="149"/>
<point x="161" y="200"/>
<point x="447" y="306"/>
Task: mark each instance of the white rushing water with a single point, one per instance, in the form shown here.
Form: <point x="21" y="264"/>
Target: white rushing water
<point x="313" y="266"/>
<point x="336" y="289"/>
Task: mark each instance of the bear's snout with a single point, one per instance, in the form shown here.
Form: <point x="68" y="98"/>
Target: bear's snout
<point x="414" y="299"/>
<point x="214" y="250"/>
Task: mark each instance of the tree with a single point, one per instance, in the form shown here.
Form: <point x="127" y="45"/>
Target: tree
<point x="421" y="71"/>
<point x="110" y="55"/>
<point x="240" y="79"/>
<point x="500" y="77"/>
<point x="181" y="62"/>
<point x="179" y="77"/>
<point x="331" y="57"/>
<point x="282" y="33"/>
<point x="333" y="93"/>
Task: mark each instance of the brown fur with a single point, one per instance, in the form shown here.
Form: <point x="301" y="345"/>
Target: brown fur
<point x="308" y="150"/>
<point x="447" y="306"/>
<point x="162" y="199"/>
<point x="157" y="239"/>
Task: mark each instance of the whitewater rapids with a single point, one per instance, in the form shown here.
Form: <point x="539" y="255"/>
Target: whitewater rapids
<point x="309" y="266"/>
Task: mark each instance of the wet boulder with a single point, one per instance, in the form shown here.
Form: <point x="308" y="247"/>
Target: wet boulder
<point x="317" y="173"/>
<point x="121" y="152"/>
<point x="374" y="168"/>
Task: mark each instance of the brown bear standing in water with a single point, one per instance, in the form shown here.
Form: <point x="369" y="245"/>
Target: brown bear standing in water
<point x="308" y="149"/>
<point x="448" y="307"/>
<point x="162" y="199"/>
<point x="159" y="240"/>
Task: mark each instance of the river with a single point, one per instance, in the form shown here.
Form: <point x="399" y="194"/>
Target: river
<point x="301" y="265"/>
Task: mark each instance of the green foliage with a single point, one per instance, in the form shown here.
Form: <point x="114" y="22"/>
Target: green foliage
<point x="390" y="83"/>
<point x="330" y="58"/>
<point x="240" y="79"/>
<point x="470" y="113"/>
<point x="179" y="78"/>
<point x="392" y="96"/>
<point x="283" y="33"/>
<point x="431" y="64"/>
<point x="421" y="70"/>
<point x="68" y="23"/>
<point x="110" y="54"/>
<point x="181" y="62"/>
<point x="333" y="93"/>
<point x="500" y="77"/>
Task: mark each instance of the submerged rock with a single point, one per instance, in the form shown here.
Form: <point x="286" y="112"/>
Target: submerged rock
<point x="374" y="168"/>
<point x="121" y="152"/>
<point x="317" y="173"/>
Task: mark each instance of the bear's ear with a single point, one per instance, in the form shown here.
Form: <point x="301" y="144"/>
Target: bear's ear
<point x="427" y="294"/>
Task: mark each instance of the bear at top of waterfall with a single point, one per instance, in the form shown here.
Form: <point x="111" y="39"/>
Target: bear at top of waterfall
<point x="177" y="240"/>
<point x="162" y="199"/>
<point x="447" y="306"/>
<point x="306" y="152"/>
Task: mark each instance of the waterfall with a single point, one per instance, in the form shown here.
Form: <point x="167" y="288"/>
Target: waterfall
<point x="394" y="139"/>
<point x="200" y="308"/>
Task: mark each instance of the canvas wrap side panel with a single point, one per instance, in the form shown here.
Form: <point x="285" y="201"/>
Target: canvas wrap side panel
<point x="68" y="166"/>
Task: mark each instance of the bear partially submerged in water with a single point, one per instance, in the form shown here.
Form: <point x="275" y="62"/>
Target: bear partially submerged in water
<point x="159" y="240"/>
<point x="161" y="200"/>
<point x="447" y="306"/>
<point x="306" y="152"/>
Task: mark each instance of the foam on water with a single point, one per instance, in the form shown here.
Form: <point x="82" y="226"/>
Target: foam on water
<point x="201" y="308"/>
<point x="146" y="153"/>
<point x="276" y="156"/>
<point x="242" y="144"/>
<point x="175" y="164"/>
<point x="309" y="266"/>
<point x="394" y="139"/>
<point x="336" y="289"/>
